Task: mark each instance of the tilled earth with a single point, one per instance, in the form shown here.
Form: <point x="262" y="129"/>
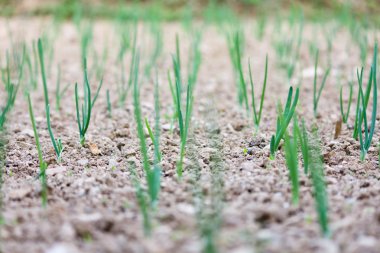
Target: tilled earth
<point x="92" y="205"/>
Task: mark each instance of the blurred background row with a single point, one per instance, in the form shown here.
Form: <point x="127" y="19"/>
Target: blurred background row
<point x="211" y="10"/>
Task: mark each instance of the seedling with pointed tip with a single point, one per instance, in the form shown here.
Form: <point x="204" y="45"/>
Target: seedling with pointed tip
<point x="57" y="143"/>
<point x="43" y="164"/>
<point x="347" y="113"/>
<point x="84" y="117"/>
<point x="283" y="121"/>
<point x="317" y="94"/>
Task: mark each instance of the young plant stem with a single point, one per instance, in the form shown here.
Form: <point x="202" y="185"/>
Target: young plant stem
<point x="83" y="119"/>
<point x="43" y="164"/>
<point x="184" y="119"/>
<point x="364" y="98"/>
<point x="109" y="106"/>
<point x="283" y="121"/>
<point x="57" y="143"/>
<point x="317" y="95"/>
<point x="152" y="175"/>
<point x="142" y="201"/>
<point x="362" y="116"/>
<point x="291" y="156"/>
<point x="303" y="139"/>
<point x="318" y="181"/>
<point x="257" y="115"/>
<point x="58" y="92"/>
<point x="345" y="115"/>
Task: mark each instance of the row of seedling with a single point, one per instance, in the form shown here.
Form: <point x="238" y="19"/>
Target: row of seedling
<point x="183" y="109"/>
<point x="309" y="144"/>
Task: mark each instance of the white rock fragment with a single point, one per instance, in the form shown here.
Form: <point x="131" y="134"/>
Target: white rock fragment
<point x="62" y="248"/>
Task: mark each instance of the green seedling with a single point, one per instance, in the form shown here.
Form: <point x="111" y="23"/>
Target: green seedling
<point x="208" y="206"/>
<point x="257" y="115"/>
<point x="31" y="71"/>
<point x="174" y="115"/>
<point x="57" y="143"/>
<point x="283" y="121"/>
<point x="345" y="115"/>
<point x="11" y="97"/>
<point x="142" y="201"/>
<point x="85" y="40"/>
<point x="363" y="46"/>
<point x="109" y="106"/>
<point x="48" y="43"/>
<point x="318" y="181"/>
<point x="184" y="117"/>
<point x="193" y="69"/>
<point x="359" y="35"/>
<point x="157" y="50"/>
<point x="58" y="92"/>
<point x="10" y="88"/>
<point x="235" y="43"/>
<point x="291" y="156"/>
<point x="261" y="23"/>
<point x="125" y="86"/>
<point x="99" y="65"/>
<point x="288" y="46"/>
<point x="330" y="33"/>
<point x="125" y="38"/>
<point x="362" y="116"/>
<point x="195" y="58"/>
<point x="155" y="137"/>
<point x="317" y="94"/>
<point x="35" y="60"/>
<point x="84" y="118"/>
<point x="152" y="175"/>
<point x="303" y="140"/>
<point x="365" y="99"/>
<point x="43" y="164"/>
<point x="313" y="48"/>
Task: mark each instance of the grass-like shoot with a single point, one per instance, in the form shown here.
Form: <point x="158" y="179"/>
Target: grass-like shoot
<point x="261" y="23"/>
<point x="57" y="143"/>
<point x="362" y="101"/>
<point x="235" y="44"/>
<point x="109" y="106"/>
<point x="142" y="201"/>
<point x="152" y="174"/>
<point x="58" y="91"/>
<point x="32" y="74"/>
<point x="11" y="96"/>
<point x="86" y="38"/>
<point x="303" y="139"/>
<point x="84" y="117"/>
<point x="156" y="32"/>
<point x="347" y="113"/>
<point x="288" y="44"/>
<point x="362" y="116"/>
<point x="11" y="88"/>
<point x="43" y="164"/>
<point x="318" y="181"/>
<point x="155" y="136"/>
<point x="317" y="94"/>
<point x="283" y="121"/>
<point x="124" y="86"/>
<point x="184" y="116"/>
<point x="257" y="114"/>
<point x="291" y="156"/>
